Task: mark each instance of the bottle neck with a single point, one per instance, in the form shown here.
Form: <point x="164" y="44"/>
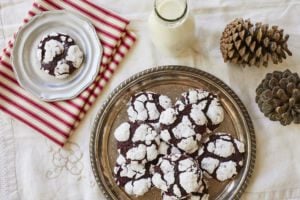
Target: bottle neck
<point x="171" y="11"/>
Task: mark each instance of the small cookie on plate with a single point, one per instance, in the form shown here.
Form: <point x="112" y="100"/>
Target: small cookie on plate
<point x="59" y="55"/>
<point x="177" y="175"/>
<point x="147" y="107"/>
<point x="134" y="177"/>
<point x="203" y="107"/>
<point x="221" y="157"/>
<point x="137" y="142"/>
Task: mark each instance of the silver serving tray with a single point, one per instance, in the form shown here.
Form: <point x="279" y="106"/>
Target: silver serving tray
<point x="172" y="81"/>
<point x="27" y="66"/>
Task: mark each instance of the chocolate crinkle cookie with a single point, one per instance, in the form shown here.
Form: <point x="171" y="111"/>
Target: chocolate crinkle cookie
<point x="178" y="130"/>
<point x="201" y="194"/>
<point x="137" y="142"/>
<point x="196" y="113"/>
<point x="177" y="175"/>
<point x="59" y="55"/>
<point x="147" y="107"/>
<point x="202" y="107"/>
<point x="134" y="177"/>
<point x="221" y="157"/>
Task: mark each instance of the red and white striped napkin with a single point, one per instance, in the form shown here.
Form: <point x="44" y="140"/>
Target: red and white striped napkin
<point x="57" y="120"/>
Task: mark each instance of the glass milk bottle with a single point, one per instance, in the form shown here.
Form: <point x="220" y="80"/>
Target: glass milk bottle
<point x="171" y="26"/>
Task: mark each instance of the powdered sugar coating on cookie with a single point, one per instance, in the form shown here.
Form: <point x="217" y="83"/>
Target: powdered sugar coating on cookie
<point x="61" y="70"/>
<point x="122" y="132"/>
<point x="138" y="187"/>
<point x="59" y="55"/>
<point x="181" y="131"/>
<point x="201" y="194"/>
<point x="168" y="116"/>
<point x="147" y="107"/>
<point x="167" y="149"/>
<point x="221" y="157"/>
<point x="195" y="113"/>
<point x="177" y="175"/>
<point x="207" y="109"/>
<point x="134" y="177"/>
<point x="75" y="55"/>
<point x="137" y="142"/>
<point x="52" y="48"/>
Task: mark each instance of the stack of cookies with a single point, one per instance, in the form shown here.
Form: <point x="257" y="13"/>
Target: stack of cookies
<point x="174" y="147"/>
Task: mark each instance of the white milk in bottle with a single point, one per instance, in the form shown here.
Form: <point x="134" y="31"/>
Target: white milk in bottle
<point x="171" y="26"/>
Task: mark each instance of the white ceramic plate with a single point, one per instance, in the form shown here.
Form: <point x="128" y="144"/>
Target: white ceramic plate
<point x="27" y="66"/>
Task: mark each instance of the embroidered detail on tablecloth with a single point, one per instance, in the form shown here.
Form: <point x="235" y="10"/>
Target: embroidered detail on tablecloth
<point x="67" y="159"/>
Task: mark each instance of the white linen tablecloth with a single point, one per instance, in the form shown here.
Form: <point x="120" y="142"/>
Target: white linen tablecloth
<point x="33" y="168"/>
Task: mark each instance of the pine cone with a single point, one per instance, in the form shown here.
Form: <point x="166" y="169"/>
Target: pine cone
<point x="246" y="44"/>
<point x="278" y="97"/>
